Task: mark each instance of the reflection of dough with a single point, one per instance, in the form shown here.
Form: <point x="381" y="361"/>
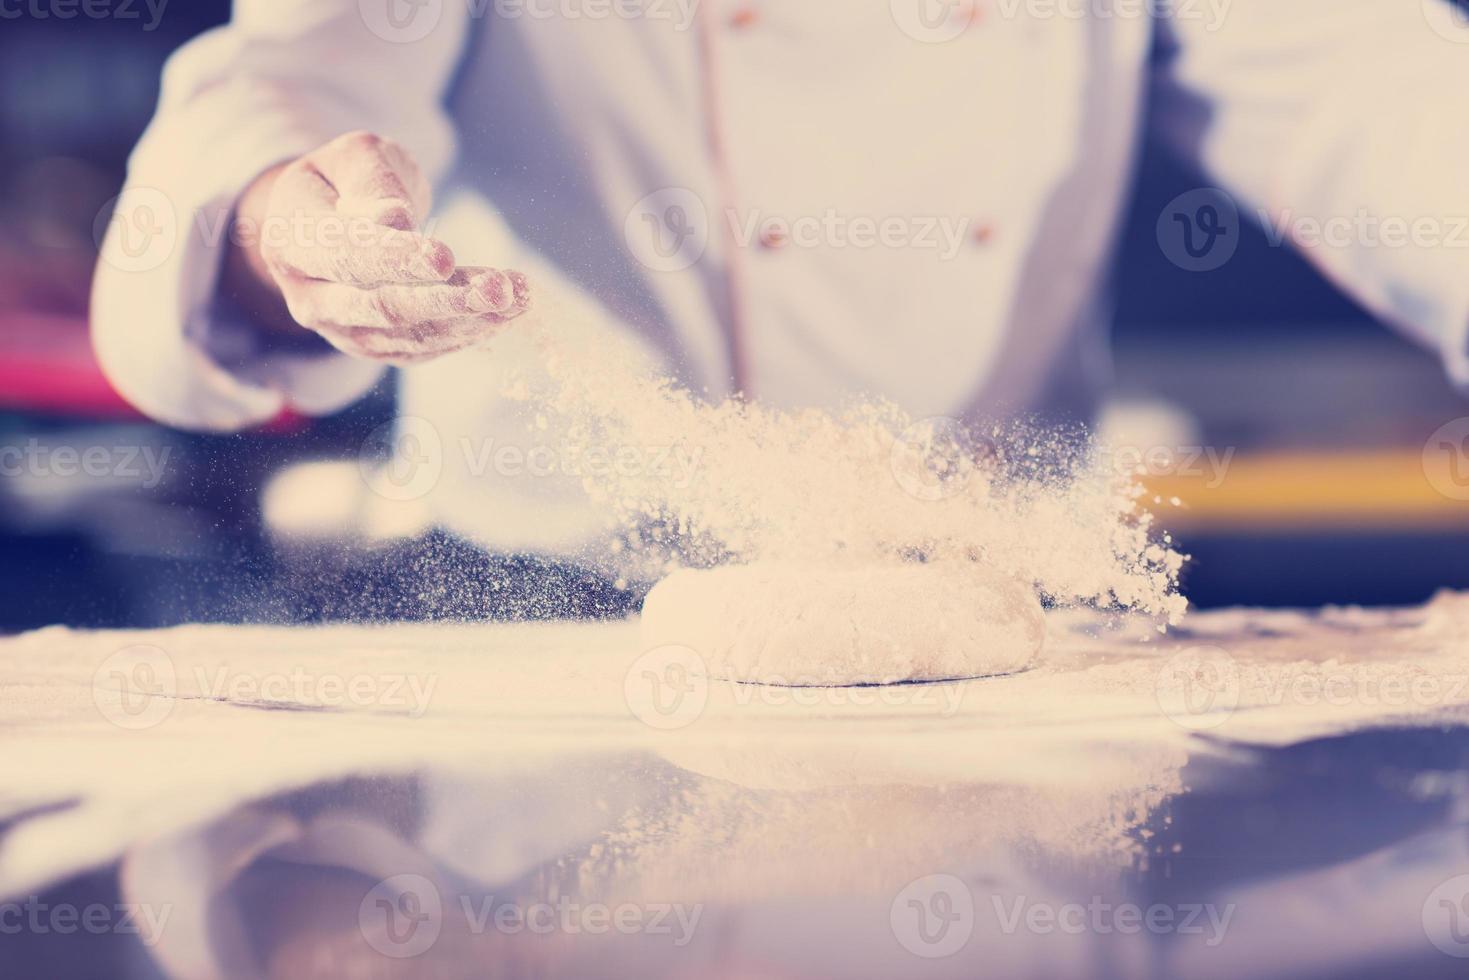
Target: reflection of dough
<point x="782" y="763"/>
<point x="716" y="841"/>
<point x="817" y="624"/>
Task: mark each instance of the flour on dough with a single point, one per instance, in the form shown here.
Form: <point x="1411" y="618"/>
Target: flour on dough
<point x="815" y="624"/>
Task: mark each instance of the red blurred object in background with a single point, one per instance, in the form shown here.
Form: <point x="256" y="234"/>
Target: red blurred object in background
<point x="49" y="217"/>
<point x="46" y="365"/>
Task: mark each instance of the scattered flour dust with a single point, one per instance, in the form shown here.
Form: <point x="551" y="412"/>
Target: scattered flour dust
<point x="717" y="841"/>
<point x="865" y="486"/>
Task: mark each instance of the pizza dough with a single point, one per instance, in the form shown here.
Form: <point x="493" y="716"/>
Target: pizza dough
<point x="809" y="624"/>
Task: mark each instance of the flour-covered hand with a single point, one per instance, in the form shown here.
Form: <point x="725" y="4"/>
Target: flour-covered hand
<point x="337" y="235"/>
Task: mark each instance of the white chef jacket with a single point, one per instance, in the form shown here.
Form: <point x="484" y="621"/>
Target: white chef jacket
<point x="749" y="140"/>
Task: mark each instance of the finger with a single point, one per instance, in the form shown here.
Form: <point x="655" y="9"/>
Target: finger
<point x="373" y="190"/>
<point x="345" y="249"/>
<point x="521" y="289"/>
<point x="430" y="341"/>
<point x="492" y="295"/>
<point x="507" y="293"/>
<point x="467" y="294"/>
<point x="498" y="289"/>
<point x="372" y="348"/>
<point x="420" y="191"/>
<point x="375" y="178"/>
<point x="302" y="189"/>
<point x="391" y="212"/>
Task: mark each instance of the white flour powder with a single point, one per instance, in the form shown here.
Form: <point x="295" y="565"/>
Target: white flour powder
<point x="866" y="489"/>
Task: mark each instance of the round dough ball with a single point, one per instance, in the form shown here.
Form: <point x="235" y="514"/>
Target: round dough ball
<point x="833" y="625"/>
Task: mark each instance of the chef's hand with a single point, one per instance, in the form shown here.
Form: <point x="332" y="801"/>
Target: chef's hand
<point x="329" y="242"/>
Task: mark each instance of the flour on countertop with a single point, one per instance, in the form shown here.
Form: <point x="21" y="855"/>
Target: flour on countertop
<point x="1100" y="721"/>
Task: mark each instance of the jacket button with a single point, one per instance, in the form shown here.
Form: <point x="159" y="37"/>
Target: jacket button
<point x="968" y="12"/>
<point x="982" y="234"/>
<point x="774" y="237"/>
<point x="744" y="17"/>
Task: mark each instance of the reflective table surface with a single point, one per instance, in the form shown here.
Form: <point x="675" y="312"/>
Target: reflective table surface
<point x="1255" y="795"/>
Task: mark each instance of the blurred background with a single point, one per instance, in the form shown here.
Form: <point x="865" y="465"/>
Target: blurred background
<point x="1296" y="430"/>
